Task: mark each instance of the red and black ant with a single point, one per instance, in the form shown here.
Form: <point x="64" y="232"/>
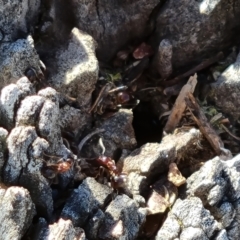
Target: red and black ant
<point x="117" y="178"/>
<point x="51" y="170"/>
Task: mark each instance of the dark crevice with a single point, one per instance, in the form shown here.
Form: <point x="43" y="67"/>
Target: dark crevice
<point x="147" y="126"/>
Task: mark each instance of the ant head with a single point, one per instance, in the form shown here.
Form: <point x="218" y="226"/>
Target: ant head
<point x="119" y="181"/>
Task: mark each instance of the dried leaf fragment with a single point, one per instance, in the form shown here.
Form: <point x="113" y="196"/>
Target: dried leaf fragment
<point x="180" y="104"/>
<point x="175" y="176"/>
<point x="143" y="50"/>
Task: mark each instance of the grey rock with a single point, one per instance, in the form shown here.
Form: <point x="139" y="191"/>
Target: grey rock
<point x="153" y="159"/>
<point x="19" y="141"/>
<point x="190" y="233"/>
<point x="194" y="28"/>
<point x="16" y="58"/>
<point x="11" y="96"/>
<point x="89" y="196"/>
<point x="23" y="166"/>
<point x="74" y="70"/>
<point x="29" y="110"/>
<point x="170" y="229"/>
<point x="217" y="185"/>
<point x="17" y="212"/>
<point x="123" y="219"/>
<point x="222" y="235"/>
<point x="3" y="148"/>
<point x="113" y="24"/>
<point x="64" y="230"/>
<point x="73" y="119"/>
<point x="190" y="220"/>
<point x="163" y="59"/>
<point x="225" y="91"/>
<point x="39" y="230"/>
<point x="119" y="133"/>
<point x="17" y="17"/>
<point x="94" y="224"/>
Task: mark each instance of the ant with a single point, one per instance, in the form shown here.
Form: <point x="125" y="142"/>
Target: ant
<point x="51" y="170"/>
<point x="117" y="178"/>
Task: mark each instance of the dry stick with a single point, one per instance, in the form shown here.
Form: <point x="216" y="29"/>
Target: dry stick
<point x="180" y="105"/>
<point x="104" y="91"/>
<point x="88" y="137"/>
<point x="202" y="122"/>
<point x="199" y="67"/>
<point x="231" y="134"/>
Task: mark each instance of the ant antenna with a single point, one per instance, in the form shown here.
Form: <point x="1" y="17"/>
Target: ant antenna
<point x="100" y="142"/>
<point x="84" y="140"/>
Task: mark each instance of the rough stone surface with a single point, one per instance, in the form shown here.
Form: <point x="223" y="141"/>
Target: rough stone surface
<point x="119" y="133"/>
<point x="113" y="24"/>
<point x="37" y="131"/>
<point x="17" y="212"/>
<point x="217" y="185"/>
<point x="17" y="18"/>
<point x="153" y="159"/>
<point x="64" y="230"/>
<point x="3" y="148"/>
<point x="94" y="224"/>
<point x="196" y="28"/>
<point x="188" y="219"/>
<point x="71" y="118"/>
<point x="10" y="99"/>
<point x="225" y="91"/>
<point x="75" y="67"/>
<point x="214" y="187"/>
<point x="16" y="58"/>
<point x="23" y="168"/>
<point x="89" y="196"/>
<point x="123" y="219"/>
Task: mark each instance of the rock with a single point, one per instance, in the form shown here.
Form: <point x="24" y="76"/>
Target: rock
<point x="3" y="148"/>
<point x="64" y="230"/>
<point x="123" y="219"/>
<point x="194" y="29"/>
<point x="188" y="219"/>
<point x="224" y="93"/>
<point x="94" y="224"/>
<point x="74" y="69"/>
<point x="17" y="212"/>
<point x="175" y="176"/>
<point x="38" y="230"/>
<point x="119" y="133"/>
<point x="152" y="159"/>
<point x="18" y="18"/>
<point x="11" y="97"/>
<point x="113" y="24"/>
<point x="23" y="166"/>
<point x="217" y="185"/>
<point x="16" y="58"/>
<point x="89" y="197"/>
<point x="163" y="59"/>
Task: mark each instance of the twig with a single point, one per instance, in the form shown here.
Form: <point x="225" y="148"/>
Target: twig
<point x="104" y="91"/>
<point x="202" y="122"/>
<point x="232" y="135"/>
<point x="199" y="67"/>
<point x="180" y="104"/>
<point x="84" y="140"/>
